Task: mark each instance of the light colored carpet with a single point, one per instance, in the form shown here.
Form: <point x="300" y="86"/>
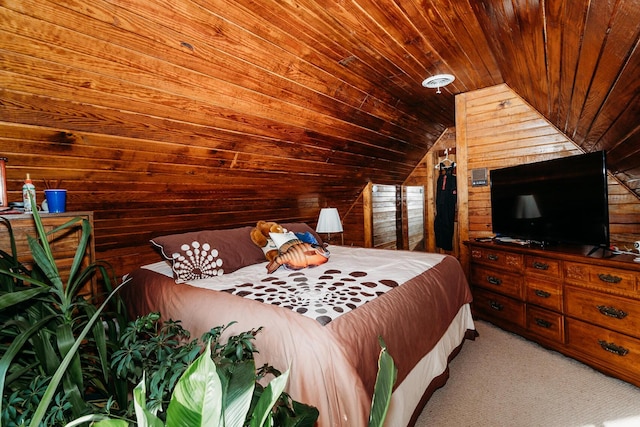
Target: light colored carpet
<point x="501" y="379"/>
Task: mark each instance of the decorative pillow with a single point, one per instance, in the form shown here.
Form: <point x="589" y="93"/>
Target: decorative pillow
<point x="208" y="253"/>
<point x="302" y="227"/>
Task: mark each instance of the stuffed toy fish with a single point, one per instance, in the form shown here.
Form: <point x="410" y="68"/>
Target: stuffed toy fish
<point x="299" y="255"/>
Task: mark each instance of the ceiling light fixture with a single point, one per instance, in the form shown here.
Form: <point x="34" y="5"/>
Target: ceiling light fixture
<point x="438" y="81"/>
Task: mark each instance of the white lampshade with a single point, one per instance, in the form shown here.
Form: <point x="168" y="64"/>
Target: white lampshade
<point x="329" y="221"/>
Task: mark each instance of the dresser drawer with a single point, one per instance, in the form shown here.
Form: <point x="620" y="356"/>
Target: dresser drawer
<point x="603" y="278"/>
<point x="609" y="311"/>
<point x="498" y="306"/>
<point x="617" y="352"/>
<point x="545" y="323"/>
<point x="499" y="281"/>
<point x="541" y="266"/>
<point x="498" y="258"/>
<point x="544" y="293"/>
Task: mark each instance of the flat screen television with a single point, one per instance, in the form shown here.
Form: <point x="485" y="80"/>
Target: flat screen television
<point x="559" y="201"/>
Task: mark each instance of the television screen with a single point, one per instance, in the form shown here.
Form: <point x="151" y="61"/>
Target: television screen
<point x="556" y="201"/>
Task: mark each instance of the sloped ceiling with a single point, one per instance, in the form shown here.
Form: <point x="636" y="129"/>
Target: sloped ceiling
<point x="201" y="103"/>
<point x="577" y="62"/>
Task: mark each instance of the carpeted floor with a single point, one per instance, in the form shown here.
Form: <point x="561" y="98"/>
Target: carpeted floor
<point x="502" y="379"/>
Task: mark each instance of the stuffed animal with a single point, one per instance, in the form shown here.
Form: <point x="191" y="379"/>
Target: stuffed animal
<point x="260" y="236"/>
<point x="299" y="255"/>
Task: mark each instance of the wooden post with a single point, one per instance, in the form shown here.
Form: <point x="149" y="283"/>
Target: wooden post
<point x="368" y="216"/>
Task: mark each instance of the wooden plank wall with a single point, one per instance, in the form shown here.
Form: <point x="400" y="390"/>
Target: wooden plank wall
<point x="415" y="224"/>
<point x="495" y="128"/>
<point x="385" y="214"/>
<point x="426" y="175"/>
<point x="357" y="221"/>
<point x="170" y="119"/>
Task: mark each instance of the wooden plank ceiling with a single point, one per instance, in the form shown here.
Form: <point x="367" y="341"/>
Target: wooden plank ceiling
<point x="241" y="107"/>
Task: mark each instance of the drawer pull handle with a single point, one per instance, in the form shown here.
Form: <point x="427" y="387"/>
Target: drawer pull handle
<point x="540" y="265"/>
<point x="492" y="257"/>
<point x="612" y="312"/>
<point x="496" y="305"/>
<point x="543" y="323"/>
<point x="607" y="278"/>
<point x="542" y="294"/>
<point x="494" y="280"/>
<point x="613" y="348"/>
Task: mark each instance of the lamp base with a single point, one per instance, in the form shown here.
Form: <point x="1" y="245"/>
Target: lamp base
<point x="330" y="240"/>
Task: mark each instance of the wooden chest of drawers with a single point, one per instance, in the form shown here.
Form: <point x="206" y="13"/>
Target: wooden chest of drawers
<point x="63" y="244"/>
<point x="587" y="307"/>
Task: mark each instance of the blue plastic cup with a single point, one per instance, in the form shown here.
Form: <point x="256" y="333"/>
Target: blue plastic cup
<point x="56" y="200"/>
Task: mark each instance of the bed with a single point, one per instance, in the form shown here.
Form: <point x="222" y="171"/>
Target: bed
<point x="322" y="322"/>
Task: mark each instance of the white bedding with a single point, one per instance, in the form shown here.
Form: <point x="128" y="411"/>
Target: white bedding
<point x="419" y="305"/>
<point x="325" y="292"/>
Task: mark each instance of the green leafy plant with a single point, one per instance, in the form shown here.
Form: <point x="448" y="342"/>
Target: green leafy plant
<point x="207" y="396"/>
<point x="385" y="380"/>
<point x="163" y="351"/>
<point x="44" y="323"/>
<point x="41" y="317"/>
<point x="214" y="394"/>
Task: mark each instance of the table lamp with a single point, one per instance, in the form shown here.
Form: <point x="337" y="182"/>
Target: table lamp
<point x="329" y="222"/>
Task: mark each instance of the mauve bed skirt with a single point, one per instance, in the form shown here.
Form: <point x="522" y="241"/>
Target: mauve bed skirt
<point x="432" y="372"/>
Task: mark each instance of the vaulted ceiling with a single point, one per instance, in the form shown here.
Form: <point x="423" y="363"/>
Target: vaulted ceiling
<point x="198" y="108"/>
<point x="577" y="62"/>
<point x="362" y="61"/>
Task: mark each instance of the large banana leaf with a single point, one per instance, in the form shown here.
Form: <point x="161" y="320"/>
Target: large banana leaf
<point x="97" y="421"/>
<point x="387" y="374"/>
<point x="262" y="411"/>
<point x="197" y="397"/>
<point x="238" y="383"/>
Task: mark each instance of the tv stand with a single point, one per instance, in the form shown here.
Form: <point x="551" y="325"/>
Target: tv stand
<point x="597" y="248"/>
<point x="586" y="306"/>
<point x="540" y="244"/>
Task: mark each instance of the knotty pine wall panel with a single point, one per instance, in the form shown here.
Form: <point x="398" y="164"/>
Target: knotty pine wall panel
<point x="201" y="115"/>
<point x="498" y="129"/>
<point x="168" y="116"/>
<point x="385" y="215"/>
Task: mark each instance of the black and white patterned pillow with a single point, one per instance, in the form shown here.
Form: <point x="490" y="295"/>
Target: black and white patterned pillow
<point x="208" y="253"/>
<point x="196" y="260"/>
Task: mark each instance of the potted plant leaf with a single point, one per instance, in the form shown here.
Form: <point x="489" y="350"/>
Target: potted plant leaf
<point x="44" y="323"/>
<point x="162" y="351"/>
<point x="223" y="395"/>
<point x="41" y="316"/>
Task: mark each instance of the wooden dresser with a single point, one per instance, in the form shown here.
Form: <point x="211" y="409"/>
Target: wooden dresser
<point x="63" y="244"/>
<point x="586" y="307"/>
